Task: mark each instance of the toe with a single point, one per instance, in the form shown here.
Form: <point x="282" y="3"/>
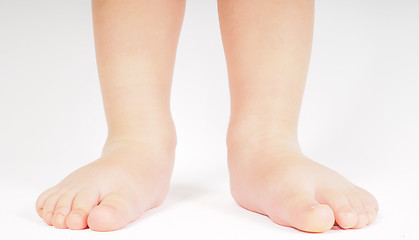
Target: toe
<point x="83" y="202"/>
<point x="303" y="212"/>
<point x="371" y="216"/>
<point x="345" y="216"/>
<point x="370" y="205"/>
<point x="49" y="207"/>
<point x="114" y="212"/>
<point x="40" y="202"/>
<point x="363" y="221"/>
<point x="62" y="209"/>
<point x="358" y="206"/>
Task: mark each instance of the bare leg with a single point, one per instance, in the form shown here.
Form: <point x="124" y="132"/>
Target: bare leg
<point x="136" y="42"/>
<point x="267" y="46"/>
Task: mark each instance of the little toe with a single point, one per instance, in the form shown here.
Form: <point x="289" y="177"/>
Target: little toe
<point x="303" y="212"/>
<point x="345" y="216"/>
<point x="84" y="201"/>
<point x="49" y="207"/>
<point x="371" y="206"/>
<point x="62" y="209"/>
<point x="113" y="213"/>
<point x="370" y="209"/>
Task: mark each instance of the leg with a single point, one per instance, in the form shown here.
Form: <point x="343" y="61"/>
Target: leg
<point x="136" y="42"/>
<point x="267" y="46"/>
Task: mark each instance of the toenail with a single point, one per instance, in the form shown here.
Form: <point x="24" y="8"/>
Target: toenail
<point x="59" y="214"/>
<point x="314" y="206"/>
<point x="75" y="215"/>
<point x="350" y="214"/>
<point x="364" y="216"/>
<point x="48" y="216"/>
<point x="58" y="219"/>
<point x="349" y="218"/>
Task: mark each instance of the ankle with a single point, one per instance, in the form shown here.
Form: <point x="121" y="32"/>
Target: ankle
<point x="256" y="133"/>
<point x="161" y="138"/>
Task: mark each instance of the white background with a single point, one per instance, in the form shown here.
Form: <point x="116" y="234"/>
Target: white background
<point x="360" y="116"/>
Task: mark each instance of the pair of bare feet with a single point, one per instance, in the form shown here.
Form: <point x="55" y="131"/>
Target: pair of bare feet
<point x="268" y="174"/>
<point x="267" y="46"/>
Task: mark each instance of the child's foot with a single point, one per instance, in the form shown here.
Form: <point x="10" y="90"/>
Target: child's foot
<point x="271" y="176"/>
<point x="131" y="177"/>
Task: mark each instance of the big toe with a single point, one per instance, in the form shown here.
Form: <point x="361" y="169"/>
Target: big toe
<point x="303" y="212"/>
<point x="314" y="218"/>
<point x="113" y="213"/>
<point x="345" y="215"/>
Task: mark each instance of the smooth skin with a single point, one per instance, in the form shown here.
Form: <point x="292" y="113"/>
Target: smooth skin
<point x="267" y="46"/>
<point x="136" y="42"/>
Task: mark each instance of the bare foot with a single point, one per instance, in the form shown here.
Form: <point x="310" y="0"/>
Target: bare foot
<point x="131" y="177"/>
<point x="271" y="176"/>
